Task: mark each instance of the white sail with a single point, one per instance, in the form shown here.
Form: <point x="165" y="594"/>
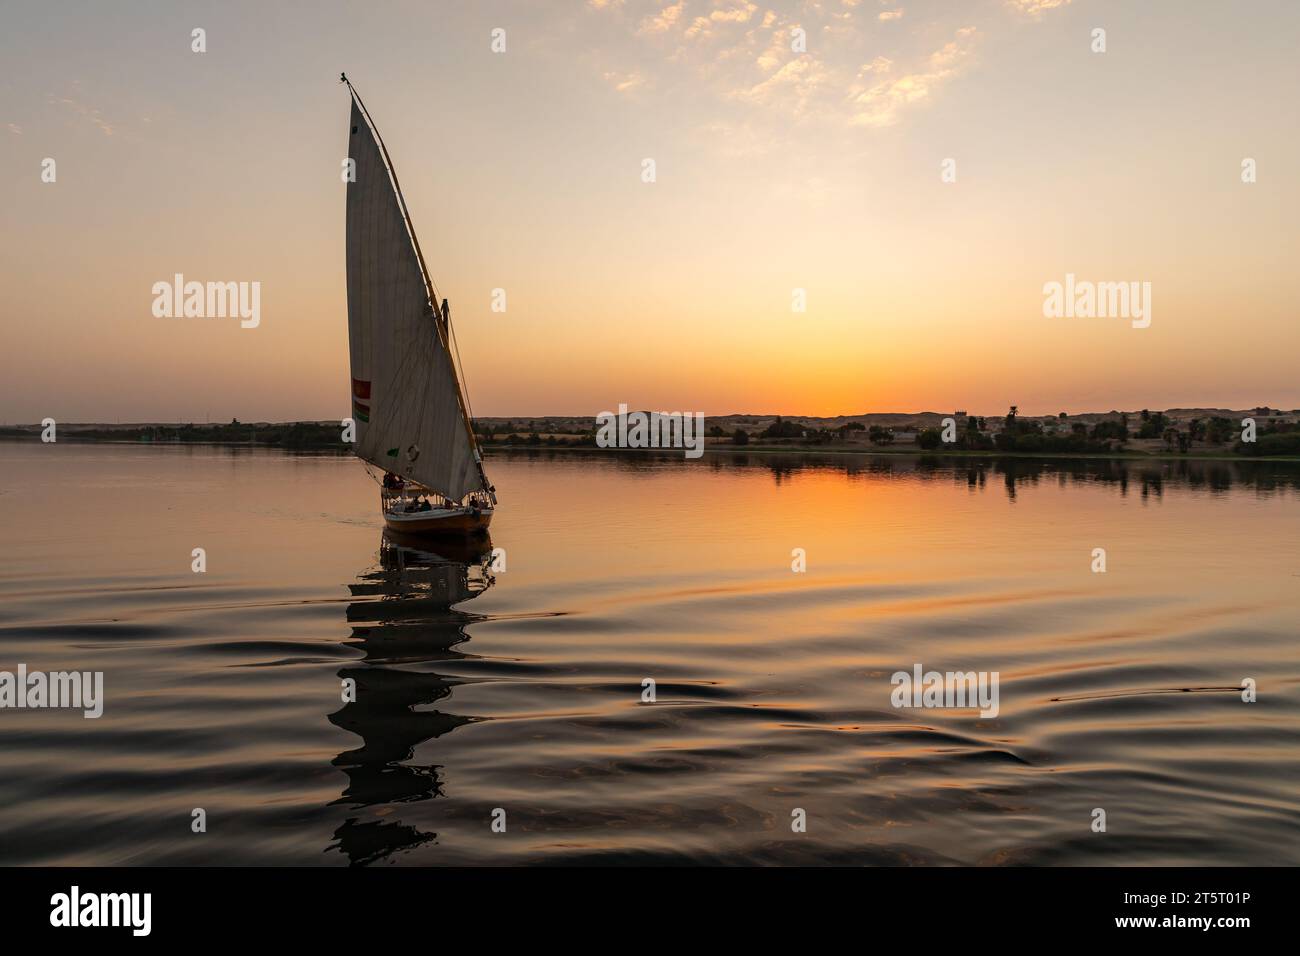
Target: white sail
<point x="405" y="395"/>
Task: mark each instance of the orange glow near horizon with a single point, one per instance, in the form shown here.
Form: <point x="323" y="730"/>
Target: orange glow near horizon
<point x="523" y="172"/>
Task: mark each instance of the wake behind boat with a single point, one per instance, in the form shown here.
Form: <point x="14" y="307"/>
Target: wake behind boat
<point x="411" y="413"/>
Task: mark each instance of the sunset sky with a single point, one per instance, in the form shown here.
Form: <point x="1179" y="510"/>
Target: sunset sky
<point x="775" y="170"/>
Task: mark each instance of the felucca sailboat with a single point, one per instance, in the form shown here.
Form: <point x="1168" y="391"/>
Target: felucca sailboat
<point x="413" y="424"/>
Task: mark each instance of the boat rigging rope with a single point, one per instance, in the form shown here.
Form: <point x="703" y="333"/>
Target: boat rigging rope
<point x="464" y="383"/>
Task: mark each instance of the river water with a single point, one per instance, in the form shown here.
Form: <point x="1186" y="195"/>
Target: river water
<point x="514" y="688"/>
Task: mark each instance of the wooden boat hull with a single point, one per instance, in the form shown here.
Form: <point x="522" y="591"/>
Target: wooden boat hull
<point x="450" y="522"/>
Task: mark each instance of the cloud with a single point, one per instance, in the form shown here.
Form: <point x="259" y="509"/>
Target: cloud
<point x="744" y="57"/>
<point x="878" y="97"/>
<point x="15" y="128"/>
<point x="604" y="4"/>
<point x="794" y="86"/>
<point x="88" y="113"/>
<point x="699" y="27"/>
<point x="776" y="51"/>
<point x="735" y="13"/>
<point x="624" y="82"/>
<point x="664" y="20"/>
<point x="1035" y="8"/>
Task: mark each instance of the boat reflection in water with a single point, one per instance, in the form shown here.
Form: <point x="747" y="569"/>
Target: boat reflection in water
<point x="404" y="619"/>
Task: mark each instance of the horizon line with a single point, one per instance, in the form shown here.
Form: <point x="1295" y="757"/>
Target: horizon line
<point x="790" y="415"/>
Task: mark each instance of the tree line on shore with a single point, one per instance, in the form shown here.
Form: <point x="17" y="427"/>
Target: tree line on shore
<point x="1274" y="436"/>
<point x="1017" y="434"/>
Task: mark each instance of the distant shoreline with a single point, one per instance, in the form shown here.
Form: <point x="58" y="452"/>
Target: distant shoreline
<point x="712" y="449"/>
<point x="1174" y="434"/>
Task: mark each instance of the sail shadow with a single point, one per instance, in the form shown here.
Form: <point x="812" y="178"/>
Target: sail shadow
<point x="405" y="620"/>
